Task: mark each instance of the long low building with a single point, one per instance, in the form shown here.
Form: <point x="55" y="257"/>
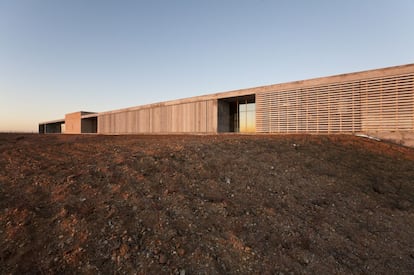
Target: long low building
<point x="376" y="102"/>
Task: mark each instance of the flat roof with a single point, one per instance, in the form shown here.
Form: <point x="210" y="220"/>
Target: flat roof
<point x="89" y="115"/>
<point x="361" y="75"/>
<point x="62" y="120"/>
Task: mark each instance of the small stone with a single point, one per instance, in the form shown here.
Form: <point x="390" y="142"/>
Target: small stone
<point x="163" y="259"/>
<point x="134" y="208"/>
<point x="228" y="181"/>
<point x="306" y="259"/>
<point x="181" y="252"/>
<point x="182" y="272"/>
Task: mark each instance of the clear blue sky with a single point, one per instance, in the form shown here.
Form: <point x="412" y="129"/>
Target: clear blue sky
<point x="58" y="56"/>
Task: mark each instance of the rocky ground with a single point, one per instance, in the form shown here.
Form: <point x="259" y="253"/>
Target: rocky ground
<point x="226" y="204"/>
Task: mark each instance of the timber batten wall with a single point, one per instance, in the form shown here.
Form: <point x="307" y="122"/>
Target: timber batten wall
<point x="387" y="104"/>
<point x="376" y="104"/>
<point x="190" y="117"/>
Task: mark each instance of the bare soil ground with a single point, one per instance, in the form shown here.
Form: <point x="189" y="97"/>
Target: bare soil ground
<point x="225" y="204"/>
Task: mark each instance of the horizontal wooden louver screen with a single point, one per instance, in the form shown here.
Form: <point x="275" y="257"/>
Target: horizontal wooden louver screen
<point x="379" y="104"/>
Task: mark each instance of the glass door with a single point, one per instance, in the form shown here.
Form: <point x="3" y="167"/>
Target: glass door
<point x="247" y="117"/>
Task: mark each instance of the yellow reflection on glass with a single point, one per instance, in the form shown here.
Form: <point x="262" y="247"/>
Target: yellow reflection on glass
<point x="247" y="117"/>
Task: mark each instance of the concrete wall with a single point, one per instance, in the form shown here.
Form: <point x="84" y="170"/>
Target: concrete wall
<point x="73" y="123"/>
<point x="76" y="123"/>
<point x="405" y="138"/>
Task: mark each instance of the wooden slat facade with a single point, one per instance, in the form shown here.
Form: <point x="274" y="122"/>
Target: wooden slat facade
<point x="190" y="117"/>
<point x="375" y="104"/>
<point x="374" y="101"/>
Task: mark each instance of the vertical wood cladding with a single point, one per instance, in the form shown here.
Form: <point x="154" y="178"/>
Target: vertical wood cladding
<point x="192" y="117"/>
<point x="376" y="104"/>
<point x="373" y="101"/>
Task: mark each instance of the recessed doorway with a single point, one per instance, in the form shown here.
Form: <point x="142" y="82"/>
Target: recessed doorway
<point x="237" y="114"/>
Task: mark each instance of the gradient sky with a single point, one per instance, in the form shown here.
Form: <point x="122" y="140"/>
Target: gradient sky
<point x="58" y="56"/>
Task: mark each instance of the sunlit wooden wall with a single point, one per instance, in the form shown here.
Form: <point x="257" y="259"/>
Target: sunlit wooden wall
<point x="191" y="117"/>
<point x="383" y="103"/>
<point x="380" y="100"/>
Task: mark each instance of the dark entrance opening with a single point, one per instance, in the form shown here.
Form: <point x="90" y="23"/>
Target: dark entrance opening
<point x="89" y="124"/>
<point x="52" y="127"/>
<point x="237" y="114"/>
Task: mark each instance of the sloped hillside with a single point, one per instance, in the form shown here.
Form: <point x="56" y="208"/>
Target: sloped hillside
<point x="225" y="204"/>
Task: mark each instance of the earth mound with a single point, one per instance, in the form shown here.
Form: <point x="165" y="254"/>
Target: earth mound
<point x="220" y="204"/>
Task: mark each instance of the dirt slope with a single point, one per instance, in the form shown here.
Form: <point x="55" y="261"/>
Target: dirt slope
<point x="205" y="205"/>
